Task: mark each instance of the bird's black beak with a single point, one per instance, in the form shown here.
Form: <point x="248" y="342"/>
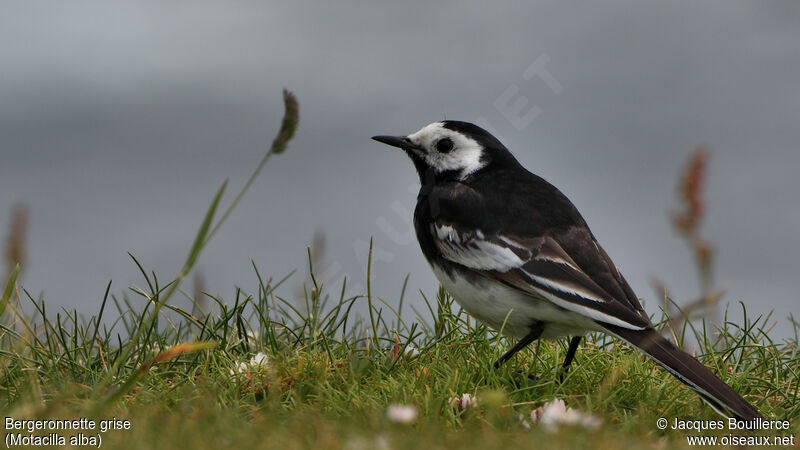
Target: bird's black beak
<point x="397" y="141"/>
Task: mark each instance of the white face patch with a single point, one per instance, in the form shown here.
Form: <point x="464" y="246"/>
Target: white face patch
<point x="465" y="157"/>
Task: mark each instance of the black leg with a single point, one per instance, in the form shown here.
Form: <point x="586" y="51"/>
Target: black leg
<point x="536" y="330"/>
<point x="573" y="347"/>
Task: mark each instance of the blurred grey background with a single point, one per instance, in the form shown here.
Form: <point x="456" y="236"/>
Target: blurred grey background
<point x="119" y="120"/>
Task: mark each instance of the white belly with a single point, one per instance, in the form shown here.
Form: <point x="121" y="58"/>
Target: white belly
<point x="513" y="311"/>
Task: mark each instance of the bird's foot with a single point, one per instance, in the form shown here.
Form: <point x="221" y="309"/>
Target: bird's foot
<point x="529" y="376"/>
<point x="561" y="373"/>
<point x="525" y="378"/>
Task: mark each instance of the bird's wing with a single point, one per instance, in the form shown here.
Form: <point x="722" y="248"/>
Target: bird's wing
<point x="539" y="266"/>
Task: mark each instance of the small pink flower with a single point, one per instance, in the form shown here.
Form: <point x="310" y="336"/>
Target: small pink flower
<point x="555" y="413"/>
<point x="404" y="414"/>
<point x="463" y="403"/>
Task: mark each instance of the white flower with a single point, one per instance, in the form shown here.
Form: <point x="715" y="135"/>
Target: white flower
<point x="256" y="362"/>
<point x="404" y="414"/>
<point x="259" y="360"/>
<point x="524" y="422"/>
<point x="466" y="401"/>
<point x="411" y="351"/>
<point x="239" y="368"/>
<point x="555" y="413"/>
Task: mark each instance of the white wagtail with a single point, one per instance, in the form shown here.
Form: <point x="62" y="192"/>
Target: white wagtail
<point x="516" y="254"/>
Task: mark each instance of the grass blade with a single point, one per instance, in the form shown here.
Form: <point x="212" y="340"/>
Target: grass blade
<point x="12" y="281"/>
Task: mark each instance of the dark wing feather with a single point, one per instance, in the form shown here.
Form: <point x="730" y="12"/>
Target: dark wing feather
<point x="553" y="274"/>
<point x="461" y="230"/>
<point x="581" y="245"/>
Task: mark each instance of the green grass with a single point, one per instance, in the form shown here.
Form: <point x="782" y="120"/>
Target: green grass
<point x="331" y="375"/>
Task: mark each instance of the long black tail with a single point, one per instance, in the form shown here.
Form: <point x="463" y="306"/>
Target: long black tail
<point x="688" y="370"/>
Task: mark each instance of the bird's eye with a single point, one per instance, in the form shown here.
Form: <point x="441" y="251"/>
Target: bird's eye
<point x="444" y="145"/>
